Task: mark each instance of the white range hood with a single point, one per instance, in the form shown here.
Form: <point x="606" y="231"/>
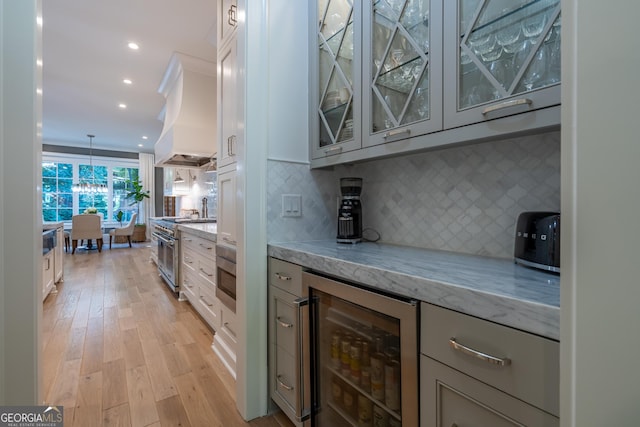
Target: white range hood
<point x="188" y="137"/>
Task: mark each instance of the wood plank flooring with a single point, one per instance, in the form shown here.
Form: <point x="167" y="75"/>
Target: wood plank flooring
<point x="120" y="350"/>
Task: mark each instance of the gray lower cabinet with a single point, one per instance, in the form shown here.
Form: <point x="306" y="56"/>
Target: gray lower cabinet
<point x="475" y="372"/>
<point x="285" y="328"/>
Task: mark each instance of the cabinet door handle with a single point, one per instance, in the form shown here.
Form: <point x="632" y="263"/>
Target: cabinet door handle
<point x="284" y="324"/>
<point x="507" y="104"/>
<point x="282" y="277"/>
<point x="205" y="272"/>
<point x="283" y="385"/>
<point x="478" y="354"/>
<point x="333" y="150"/>
<point x="228" y="240"/>
<point x="231" y="15"/>
<point x="397" y="132"/>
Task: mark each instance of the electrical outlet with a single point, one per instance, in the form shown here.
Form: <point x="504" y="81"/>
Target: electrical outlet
<point x="291" y="205"/>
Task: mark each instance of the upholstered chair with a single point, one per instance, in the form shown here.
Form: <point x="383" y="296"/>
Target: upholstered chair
<point x="86" y="227"/>
<point x="124" y="231"/>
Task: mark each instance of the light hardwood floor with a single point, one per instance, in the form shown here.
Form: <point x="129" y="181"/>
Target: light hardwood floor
<point x="120" y="350"/>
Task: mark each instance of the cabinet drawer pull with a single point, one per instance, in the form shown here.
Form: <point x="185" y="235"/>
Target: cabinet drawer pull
<point x="397" y="132"/>
<point x="507" y="104"/>
<point x="204" y="271"/>
<point x="284" y="324"/>
<point x="334" y="150"/>
<point x="282" y="277"/>
<point x="478" y="354"/>
<point x="283" y="385"/>
<point x="188" y="260"/>
<point x="228" y="240"/>
<point x="231" y="16"/>
<point x="206" y="247"/>
<point x="204" y="300"/>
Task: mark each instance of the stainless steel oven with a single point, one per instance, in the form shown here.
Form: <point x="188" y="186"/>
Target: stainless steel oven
<point x="226" y="283"/>
<point x="167" y="252"/>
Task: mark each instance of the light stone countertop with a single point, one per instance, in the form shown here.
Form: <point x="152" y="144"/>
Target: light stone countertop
<point x="493" y="289"/>
<point x="206" y="230"/>
<point x="50" y="225"/>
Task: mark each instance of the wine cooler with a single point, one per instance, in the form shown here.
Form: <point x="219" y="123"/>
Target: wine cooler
<point x="364" y="356"/>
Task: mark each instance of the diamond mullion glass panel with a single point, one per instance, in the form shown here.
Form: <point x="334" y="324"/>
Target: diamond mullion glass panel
<point x="345" y="54"/>
<point x="474" y="88"/>
<point x="325" y="66"/>
<point x="338" y="12"/>
<point x="512" y="44"/>
<point x="388" y="10"/>
<point x="415" y="19"/>
<point x="418" y="108"/>
<point x="335" y="103"/>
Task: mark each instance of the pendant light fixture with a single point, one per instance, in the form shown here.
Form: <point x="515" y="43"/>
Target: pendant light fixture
<point x="178" y="179"/>
<point x="89" y="186"/>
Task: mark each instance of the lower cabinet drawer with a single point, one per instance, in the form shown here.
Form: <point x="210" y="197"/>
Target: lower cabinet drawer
<point x="286" y="276"/>
<point x="451" y="398"/>
<point x="209" y="306"/>
<point x="190" y="284"/>
<point x="227" y="329"/>
<point x="284" y="380"/>
<point x="531" y="373"/>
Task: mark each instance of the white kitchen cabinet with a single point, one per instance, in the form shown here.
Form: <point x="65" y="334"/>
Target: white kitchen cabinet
<point x="285" y="374"/>
<point x="227" y="20"/>
<point x="58" y="264"/>
<point x="227" y="206"/>
<point x="401" y="76"/>
<point x="227" y="100"/>
<point x="197" y="276"/>
<point x="225" y="341"/>
<point x="48" y="274"/>
<point x="503" y="58"/>
<point x="477" y="372"/>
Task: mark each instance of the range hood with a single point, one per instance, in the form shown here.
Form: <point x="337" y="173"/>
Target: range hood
<point x="188" y="137"/>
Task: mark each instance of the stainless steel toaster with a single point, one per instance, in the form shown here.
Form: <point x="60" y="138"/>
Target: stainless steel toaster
<point x="537" y="241"/>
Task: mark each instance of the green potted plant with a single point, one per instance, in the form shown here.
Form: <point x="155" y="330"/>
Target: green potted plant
<point x="119" y="217"/>
<point x="137" y="194"/>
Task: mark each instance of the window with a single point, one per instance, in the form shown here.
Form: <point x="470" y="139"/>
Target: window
<point x="122" y="178"/>
<point x="60" y="171"/>
<point x="57" y="196"/>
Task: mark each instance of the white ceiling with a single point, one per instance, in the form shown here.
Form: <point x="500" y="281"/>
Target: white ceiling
<point x="85" y="59"/>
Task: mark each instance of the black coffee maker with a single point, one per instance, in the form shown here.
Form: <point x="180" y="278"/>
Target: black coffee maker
<point x="350" y="211"/>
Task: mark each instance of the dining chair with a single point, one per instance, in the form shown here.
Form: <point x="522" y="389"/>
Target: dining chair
<point x="86" y="226"/>
<point x="127" y="230"/>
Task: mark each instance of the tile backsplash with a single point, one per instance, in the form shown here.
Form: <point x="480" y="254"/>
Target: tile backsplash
<point x="462" y="199"/>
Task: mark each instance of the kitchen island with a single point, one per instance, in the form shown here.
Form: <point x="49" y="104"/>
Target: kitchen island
<point x="489" y="288"/>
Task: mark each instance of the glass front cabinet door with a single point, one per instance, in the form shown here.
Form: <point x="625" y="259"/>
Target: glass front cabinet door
<point x="338" y="56"/>
<point x="503" y="58"/>
<point x="402" y="69"/>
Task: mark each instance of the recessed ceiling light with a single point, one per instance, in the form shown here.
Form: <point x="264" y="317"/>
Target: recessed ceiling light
<point x="123" y="106"/>
<point x="39" y="21"/>
<point x="133" y="46"/>
<point x="127" y="81"/>
<point x="140" y="145"/>
<point x="145" y="137"/>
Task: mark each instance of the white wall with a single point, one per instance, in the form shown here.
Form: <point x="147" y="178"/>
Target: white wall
<point x="600" y="284"/>
<point x="20" y="206"/>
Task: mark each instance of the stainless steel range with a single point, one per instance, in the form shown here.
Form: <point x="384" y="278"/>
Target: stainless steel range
<point x="165" y="230"/>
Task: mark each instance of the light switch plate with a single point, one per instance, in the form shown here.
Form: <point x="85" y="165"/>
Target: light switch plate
<point x="291" y="205"/>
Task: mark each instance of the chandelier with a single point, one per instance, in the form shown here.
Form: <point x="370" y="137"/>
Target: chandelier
<point x="89" y="185"/>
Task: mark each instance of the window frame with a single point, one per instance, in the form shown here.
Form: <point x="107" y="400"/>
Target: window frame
<point x="84" y="159"/>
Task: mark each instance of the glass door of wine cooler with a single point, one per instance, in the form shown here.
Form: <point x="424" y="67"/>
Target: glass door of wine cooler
<point x="365" y="347"/>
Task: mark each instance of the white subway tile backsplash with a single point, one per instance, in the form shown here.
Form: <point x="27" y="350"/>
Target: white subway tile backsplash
<point x="463" y="199"/>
